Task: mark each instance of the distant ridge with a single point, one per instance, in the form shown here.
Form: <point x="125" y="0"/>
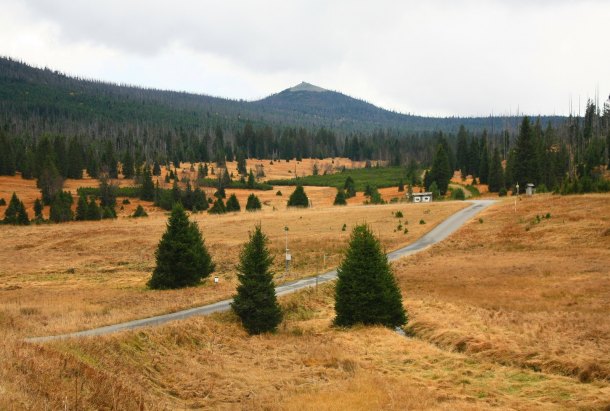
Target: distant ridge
<point x="70" y="105"/>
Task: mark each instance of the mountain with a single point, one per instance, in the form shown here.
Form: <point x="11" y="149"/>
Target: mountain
<point x="38" y="100"/>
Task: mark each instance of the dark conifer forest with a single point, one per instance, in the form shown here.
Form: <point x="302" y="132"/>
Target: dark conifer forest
<point x="53" y="126"/>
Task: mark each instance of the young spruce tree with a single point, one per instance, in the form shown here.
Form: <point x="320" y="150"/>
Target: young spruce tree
<point x="233" y="203"/>
<point x="366" y="291"/>
<point x="255" y="302"/>
<point x="298" y="198"/>
<point x="182" y="258"/>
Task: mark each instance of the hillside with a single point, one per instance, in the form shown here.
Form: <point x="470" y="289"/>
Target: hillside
<point x="69" y="105"/>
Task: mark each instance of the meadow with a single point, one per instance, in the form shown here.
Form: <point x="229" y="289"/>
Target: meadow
<point x="510" y="312"/>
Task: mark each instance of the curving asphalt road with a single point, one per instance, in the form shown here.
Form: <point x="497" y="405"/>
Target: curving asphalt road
<point x="437" y="234"/>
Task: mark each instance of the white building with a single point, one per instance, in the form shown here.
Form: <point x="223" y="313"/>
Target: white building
<point x="422" y="197"/>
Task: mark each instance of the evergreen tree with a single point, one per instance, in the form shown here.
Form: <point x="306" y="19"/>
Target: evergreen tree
<point x="15" y="212"/>
<point x="251" y="179"/>
<point x="61" y="207"/>
<point x="76" y="162"/>
<point x="38" y="209"/>
<point x="108" y="191"/>
<point x="182" y="259"/>
<point x="526" y="162"/>
<point x="366" y="290"/>
<point x="127" y="166"/>
<point x="50" y="182"/>
<point x="176" y="192"/>
<point x="349" y="187"/>
<point x="496" y="173"/>
<point x="436" y="194"/>
<point x="241" y="163"/>
<point x="200" y="202"/>
<point x="401" y="186"/>
<point x="187" y="196"/>
<point x="82" y="209"/>
<point x="147" y="191"/>
<point x="484" y="164"/>
<point x="298" y="198"/>
<point x="255" y="302"/>
<point x="140" y="212"/>
<point x="462" y="151"/>
<point x="340" y="198"/>
<point x="156" y="171"/>
<point x="253" y="203"/>
<point x="220" y="193"/>
<point x="441" y="171"/>
<point x="93" y="211"/>
<point x="218" y="207"/>
<point x="410" y="192"/>
<point x="233" y="204"/>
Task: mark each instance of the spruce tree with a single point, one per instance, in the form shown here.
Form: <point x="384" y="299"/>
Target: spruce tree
<point x="218" y="207"/>
<point x="496" y="173"/>
<point x="349" y="187"/>
<point x="15" y="212"/>
<point x="298" y="198"/>
<point x="253" y="203"/>
<point x="147" y="191"/>
<point x="93" y="210"/>
<point x="127" y="166"/>
<point x="140" y="212"/>
<point x="401" y="186"/>
<point x="61" y="207"/>
<point x="255" y="302"/>
<point x="182" y="259"/>
<point x="156" y="171"/>
<point x="82" y="209"/>
<point x="233" y="204"/>
<point x="526" y="167"/>
<point x="366" y="290"/>
<point x="340" y="197"/>
<point x="200" y="202"/>
<point x="441" y="170"/>
<point x="38" y="209"/>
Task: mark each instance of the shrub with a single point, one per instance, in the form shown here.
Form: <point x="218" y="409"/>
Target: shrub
<point x="398" y="214"/>
<point x="458" y="194"/>
<point x="126" y="201"/>
<point x="422" y="221"/>
<point x="278" y="193"/>
<point x="502" y="192"/>
<point x="182" y="259"/>
<point x="2" y="202"/>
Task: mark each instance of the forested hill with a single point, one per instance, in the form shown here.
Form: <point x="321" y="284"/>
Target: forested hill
<point x="37" y="100"/>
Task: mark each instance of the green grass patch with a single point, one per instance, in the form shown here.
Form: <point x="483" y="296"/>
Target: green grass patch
<point x="375" y="177"/>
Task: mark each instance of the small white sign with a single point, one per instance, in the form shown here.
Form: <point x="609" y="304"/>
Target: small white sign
<point x="215" y="280"/>
<point x="288" y="257"/>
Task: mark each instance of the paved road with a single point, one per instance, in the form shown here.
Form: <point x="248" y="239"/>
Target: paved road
<point x="437" y="234"/>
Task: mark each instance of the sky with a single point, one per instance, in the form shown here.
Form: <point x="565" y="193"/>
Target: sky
<point x="436" y="57"/>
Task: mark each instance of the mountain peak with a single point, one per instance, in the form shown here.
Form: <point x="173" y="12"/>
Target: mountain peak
<point x="306" y="87"/>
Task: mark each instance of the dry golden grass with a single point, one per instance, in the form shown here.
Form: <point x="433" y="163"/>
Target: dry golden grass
<point x="521" y="291"/>
<point x="63" y="277"/>
<point x="210" y="363"/>
<point x="510" y="313"/>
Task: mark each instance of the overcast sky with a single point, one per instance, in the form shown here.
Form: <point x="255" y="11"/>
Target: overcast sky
<point x="436" y="57"/>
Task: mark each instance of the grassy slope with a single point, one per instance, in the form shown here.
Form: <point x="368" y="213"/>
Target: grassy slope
<point x="490" y="306"/>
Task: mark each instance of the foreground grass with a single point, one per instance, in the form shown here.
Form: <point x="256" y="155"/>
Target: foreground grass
<point x="210" y="363"/>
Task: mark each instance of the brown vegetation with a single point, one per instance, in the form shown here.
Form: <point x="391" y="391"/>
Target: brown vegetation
<point x="509" y="312"/>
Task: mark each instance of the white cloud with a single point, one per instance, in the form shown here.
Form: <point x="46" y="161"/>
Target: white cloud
<point x="438" y="57"/>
